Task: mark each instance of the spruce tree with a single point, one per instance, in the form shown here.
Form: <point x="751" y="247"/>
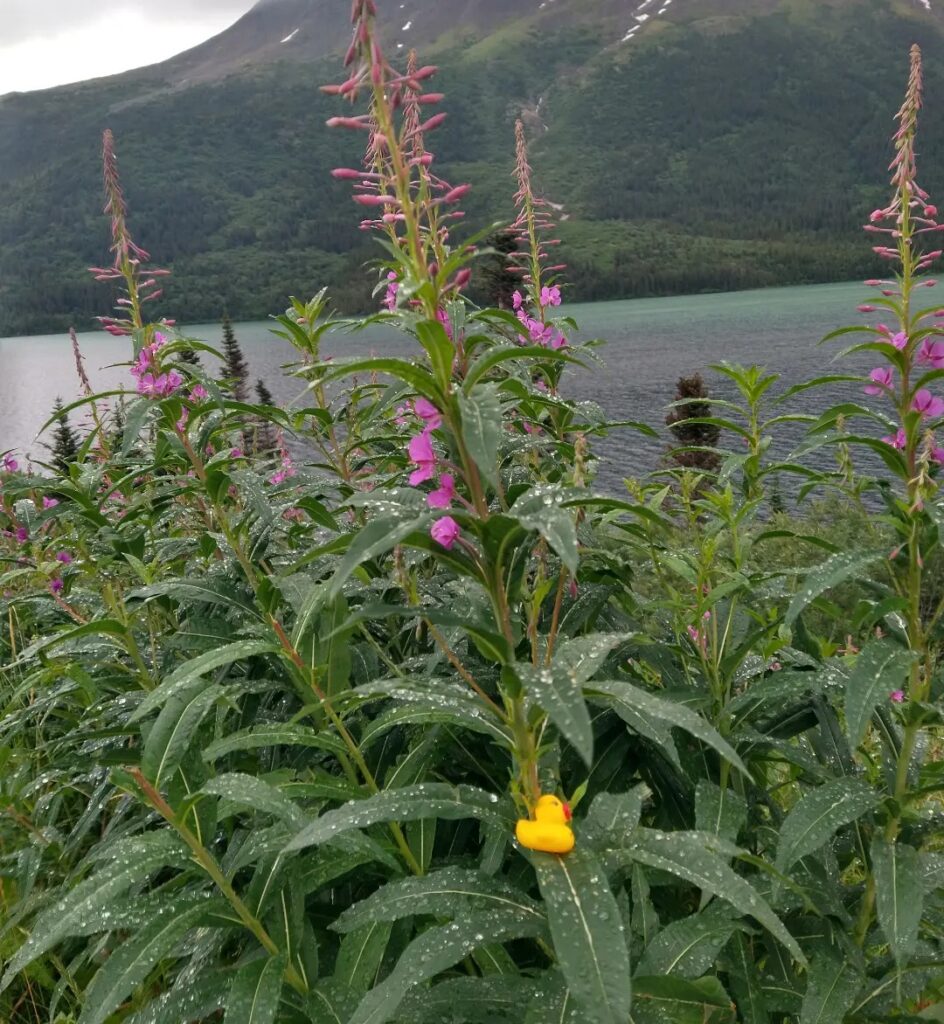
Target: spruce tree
<point x="265" y="440"/>
<point x="65" y="440"/>
<point x="692" y="391"/>
<point x="500" y="283"/>
<point x="235" y="368"/>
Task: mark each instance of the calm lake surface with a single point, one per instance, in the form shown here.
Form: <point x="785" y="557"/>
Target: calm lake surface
<point x="650" y="344"/>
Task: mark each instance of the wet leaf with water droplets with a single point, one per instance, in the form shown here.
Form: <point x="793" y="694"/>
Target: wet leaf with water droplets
<point x="557" y="691"/>
<point x="588" y="934"/>
<point x="254" y="996"/>
<point x="817" y="816"/>
<point x="437" y="950"/>
<point x="132" y="960"/>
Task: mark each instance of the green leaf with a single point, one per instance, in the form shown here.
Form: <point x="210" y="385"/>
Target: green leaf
<point x="817" y="816"/>
<point x="584" y="655"/>
<point x="170" y="736"/>
<point x="132" y="960"/>
<point x="254" y="997"/>
<point x="490" y="1000"/>
<point x="379" y="536"/>
<point x="659" y="1000"/>
<point x="588" y="935"/>
<point x="88" y="906"/>
<point x="622" y="695"/>
<point x="744" y="979"/>
<point x="451" y="892"/>
<point x="829" y="574"/>
<point x="273" y="736"/>
<point x="689" y="947"/>
<point x="833" y="983"/>
<point x="361" y="955"/>
<point x="540" y="509"/>
<point x="879" y="669"/>
<point x="249" y="791"/>
<point x="437" y="950"/>
<point x="899" y="895"/>
<point x="615" y="816"/>
<point x="441" y="351"/>
<point x="722" y="812"/>
<point x="408" y="803"/>
<point x="482" y="428"/>
<point x="181" y="678"/>
<point x="685" y="855"/>
<point x="556" y="689"/>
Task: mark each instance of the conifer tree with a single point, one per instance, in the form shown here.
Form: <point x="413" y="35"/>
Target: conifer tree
<point x="65" y="440"/>
<point x="235" y="368"/>
<point x="500" y="282"/>
<point x="692" y="391"/>
<point x="265" y="439"/>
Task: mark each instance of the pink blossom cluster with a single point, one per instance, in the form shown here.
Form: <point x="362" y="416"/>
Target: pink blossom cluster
<point x="541" y="333"/>
<point x="446" y="530"/>
<point x="151" y="382"/>
<point x="10" y="465"/>
<point x="286" y="468"/>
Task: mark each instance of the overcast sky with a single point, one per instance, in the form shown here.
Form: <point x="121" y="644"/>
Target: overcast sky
<point x="51" y="42"/>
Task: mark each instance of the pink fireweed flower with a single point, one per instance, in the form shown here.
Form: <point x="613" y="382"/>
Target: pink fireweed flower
<point x="21" y="534"/>
<point x="517" y="300"/>
<point x="937" y="455"/>
<point x="393" y="287"/>
<point x="927" y="404"/>
<point x="64" y="557"/>
<point x="181" y="424"/>
<point x="55" y="586"/>
<point x="883" y="378"/>
<point x="10" y="465"/>
<point x="445" y="531"/>
<point x="428" y="413"/>
<point x="421" y="452"/>
<point x="198" y="393"/>
<point x="49" y="502"/>
<point x="932" y="352"/>
<point x="445" y="494"/>
<point x="898" y="696"/>
<point x="550" y="296"/>
<point x="236" y="453"/>
<point x="899" y="440"/>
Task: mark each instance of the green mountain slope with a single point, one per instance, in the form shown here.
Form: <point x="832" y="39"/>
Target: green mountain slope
<point x="726" y="143"/>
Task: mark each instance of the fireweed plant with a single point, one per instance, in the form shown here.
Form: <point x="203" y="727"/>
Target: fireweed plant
<point x="269" y="720"/>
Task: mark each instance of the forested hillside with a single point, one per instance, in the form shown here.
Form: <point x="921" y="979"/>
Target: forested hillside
<point x="710" y="125"/>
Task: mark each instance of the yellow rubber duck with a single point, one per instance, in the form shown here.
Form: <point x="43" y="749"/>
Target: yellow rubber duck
<point x="549" y="830"/>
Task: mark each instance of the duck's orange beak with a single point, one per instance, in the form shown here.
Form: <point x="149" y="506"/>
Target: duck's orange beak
<point x="567" y="814"/>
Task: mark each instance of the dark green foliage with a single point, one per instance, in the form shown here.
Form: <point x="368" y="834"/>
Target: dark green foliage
<point x="65" y="440"/>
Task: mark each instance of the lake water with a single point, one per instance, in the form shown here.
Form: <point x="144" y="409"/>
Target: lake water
<point x="651" y="343"/>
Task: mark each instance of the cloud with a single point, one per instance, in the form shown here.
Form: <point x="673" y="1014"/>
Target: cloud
<point x="93" y="39"/>
<point x="27" y="20"/>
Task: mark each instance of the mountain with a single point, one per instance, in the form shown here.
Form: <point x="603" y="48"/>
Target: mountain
<point x="690" y="144"/>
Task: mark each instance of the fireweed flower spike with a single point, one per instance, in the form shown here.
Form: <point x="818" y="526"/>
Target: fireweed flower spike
<point x="908" y="215"/>
<point x="532" y="225"/>
<point x="140" y="284"/>
<point x="409" y="200"/>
